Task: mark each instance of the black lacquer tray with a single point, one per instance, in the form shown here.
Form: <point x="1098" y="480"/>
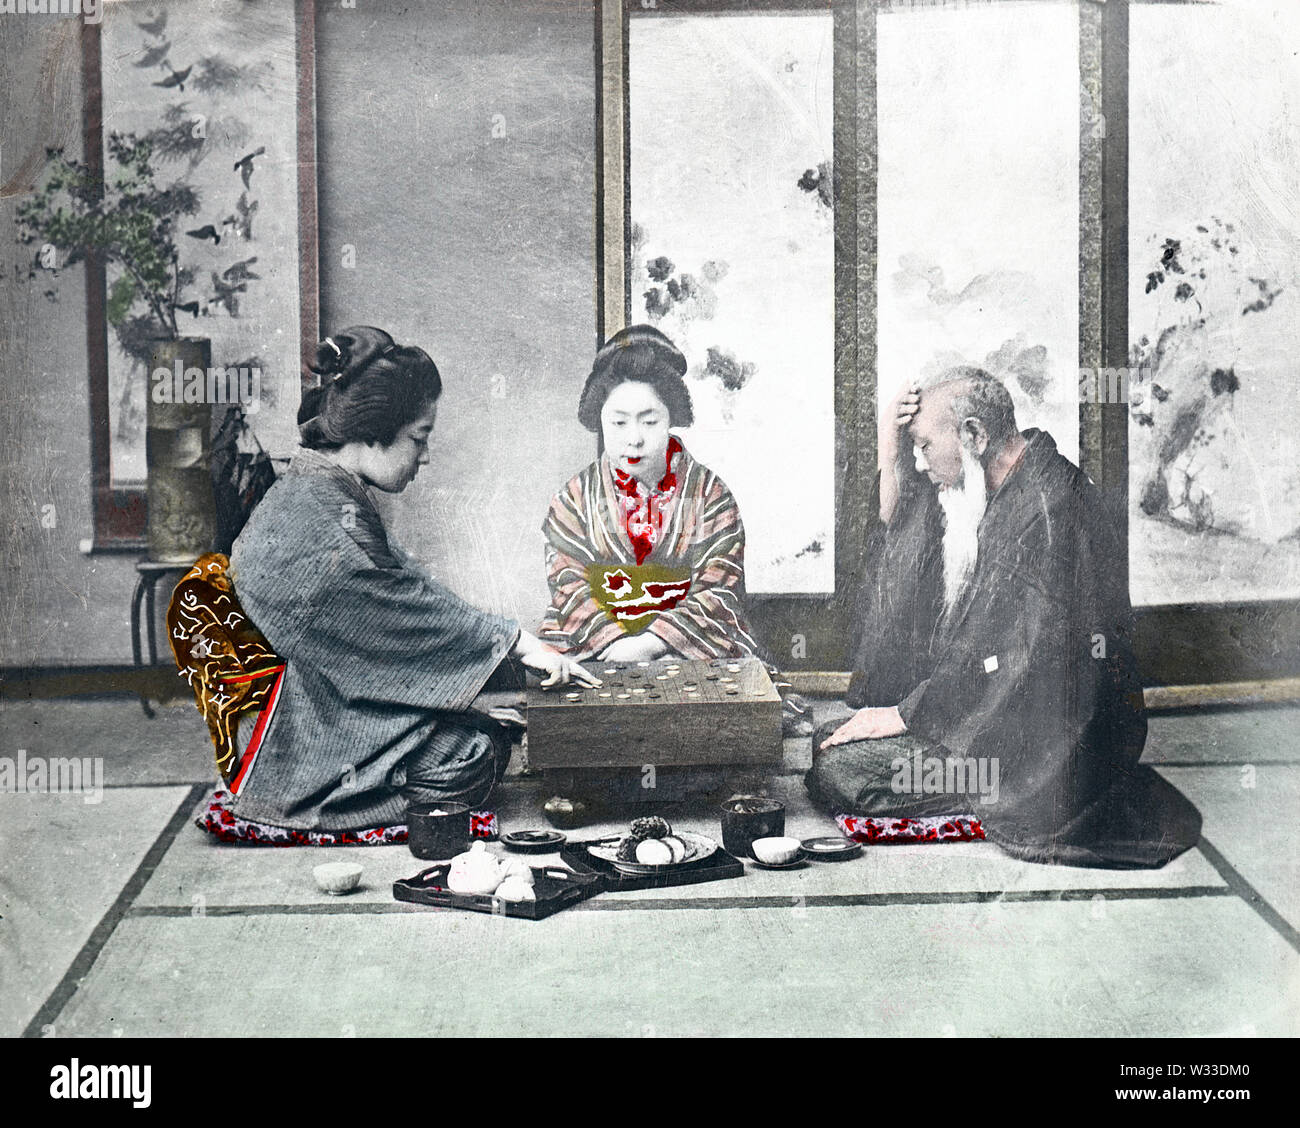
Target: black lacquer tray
<point x="556" y="889"/>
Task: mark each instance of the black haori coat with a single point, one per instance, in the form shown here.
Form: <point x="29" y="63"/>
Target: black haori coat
<point x="1033" y="666"/>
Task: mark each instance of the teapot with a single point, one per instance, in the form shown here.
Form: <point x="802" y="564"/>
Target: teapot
<point x="475" y="871"/>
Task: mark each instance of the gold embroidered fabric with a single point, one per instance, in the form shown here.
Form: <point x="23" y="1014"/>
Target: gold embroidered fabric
<point x="229" y="664"/>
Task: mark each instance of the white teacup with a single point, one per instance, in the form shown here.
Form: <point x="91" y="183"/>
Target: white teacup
<point x="775" y="851"/>
<point x="337" y="878"/>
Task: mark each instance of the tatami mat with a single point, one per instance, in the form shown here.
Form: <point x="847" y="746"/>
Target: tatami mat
<point x="65" y="861"/>
<point x="1224" y="736"/>
<point x="171" y="747"/>
<point x="1254" y="826"/>
<point x="945" y="938"/>
<point x="967" y="970"/>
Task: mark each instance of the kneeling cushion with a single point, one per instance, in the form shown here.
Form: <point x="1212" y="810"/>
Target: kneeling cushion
<point x="935" y="828"/>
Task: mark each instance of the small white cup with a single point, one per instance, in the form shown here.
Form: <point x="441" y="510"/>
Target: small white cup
<point x="337" y="878"/>
<point x="775" y="851"/>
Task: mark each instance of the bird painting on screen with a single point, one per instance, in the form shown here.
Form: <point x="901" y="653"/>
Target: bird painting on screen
<point x="155" y="26"/>
<point x="227" y="294"/>
<point x="176" y="78"/>
<point x="207" y="231"/>
<point x="244" y="209"/>
<point x="244" y="166"/>
<point x="240" y="272"/>
<point x="153" y="56"/>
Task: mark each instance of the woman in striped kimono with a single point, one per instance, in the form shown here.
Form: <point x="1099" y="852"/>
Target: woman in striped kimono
<point x="375" y="709"/>
<point x="645" y="549"/>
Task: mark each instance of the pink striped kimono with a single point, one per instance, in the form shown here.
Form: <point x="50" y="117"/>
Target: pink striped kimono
<point x="681" y="576"/>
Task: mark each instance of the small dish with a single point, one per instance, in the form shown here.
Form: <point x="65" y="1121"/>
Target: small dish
<point x="534" y="841"/>
<point x="830" y="848"/>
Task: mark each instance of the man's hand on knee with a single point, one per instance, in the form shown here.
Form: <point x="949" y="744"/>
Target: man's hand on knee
<point x="867" y="724"/>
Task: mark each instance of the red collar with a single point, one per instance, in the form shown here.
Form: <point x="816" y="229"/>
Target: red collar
<point x="632" y="486"/>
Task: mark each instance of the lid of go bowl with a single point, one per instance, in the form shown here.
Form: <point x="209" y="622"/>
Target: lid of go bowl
<point x="534" y="841"/>
<point x="834" y="846"/>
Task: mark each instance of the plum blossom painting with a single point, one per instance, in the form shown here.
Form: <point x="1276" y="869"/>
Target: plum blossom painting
<point x="1214" y="303"/>
<point x="204" y="96"/>
<point x="732" y="255"/>
<point x="978" y="202"/>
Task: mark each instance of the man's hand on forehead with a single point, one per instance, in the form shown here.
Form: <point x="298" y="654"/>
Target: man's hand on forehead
<point x="907" y="405"/>
<point x="907" y="410"/>
<point x="894" y="424"/>
<point x="900" y="415"/>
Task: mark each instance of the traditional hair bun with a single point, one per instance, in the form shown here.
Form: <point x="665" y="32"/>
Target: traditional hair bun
<point x="642" y="353"/>
<point x="330" y="358"/>
<point x="369" y="388"/>
<point x="344" y="355"/>
<point x="645" y="336"/>
<point x="339" y="360"/>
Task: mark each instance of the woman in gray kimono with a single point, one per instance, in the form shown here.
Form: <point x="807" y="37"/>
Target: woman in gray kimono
<point x="383" y="663"/>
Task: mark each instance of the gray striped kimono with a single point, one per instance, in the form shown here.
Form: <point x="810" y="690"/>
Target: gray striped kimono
<point x="383" y="663"/>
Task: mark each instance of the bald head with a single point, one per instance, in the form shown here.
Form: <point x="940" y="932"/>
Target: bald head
<point x="963" y="406"/>
<point x="971" y="393"/>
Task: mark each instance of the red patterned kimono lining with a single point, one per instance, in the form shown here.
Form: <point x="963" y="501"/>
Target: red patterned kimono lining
<point x="263" y="720"/>
<point x="934" y="828"/>
<point x="219" y="820"/>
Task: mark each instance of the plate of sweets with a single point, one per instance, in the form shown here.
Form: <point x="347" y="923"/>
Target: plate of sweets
<point x="651" y="846"/>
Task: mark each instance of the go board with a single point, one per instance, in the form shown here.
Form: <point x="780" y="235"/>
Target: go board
<point x="724" y="711"/>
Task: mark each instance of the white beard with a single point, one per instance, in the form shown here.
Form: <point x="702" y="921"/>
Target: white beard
<point x="963" y="509"/>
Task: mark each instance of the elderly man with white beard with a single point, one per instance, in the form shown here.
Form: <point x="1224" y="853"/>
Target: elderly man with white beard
<point x="994" y="628"/>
